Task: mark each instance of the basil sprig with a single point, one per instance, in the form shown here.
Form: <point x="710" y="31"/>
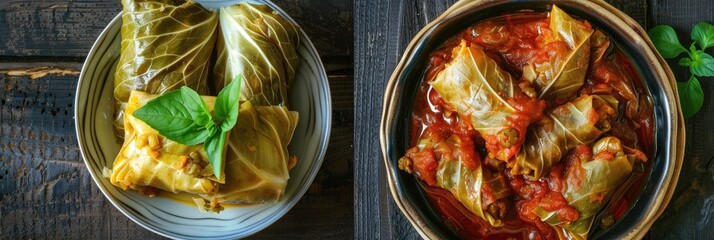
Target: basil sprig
<point x="182" y="116"/>
<point x="700" y="63"/>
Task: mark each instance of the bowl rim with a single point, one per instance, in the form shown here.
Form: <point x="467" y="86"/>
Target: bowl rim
<point x="310" y="175"/>
<point x="630" y="27"/>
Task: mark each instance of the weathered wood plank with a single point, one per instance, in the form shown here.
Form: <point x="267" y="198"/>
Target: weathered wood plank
<point x="53" y="28"/>
<point x="691" y="211"/>
<point x="370" y="41"/>
<point x="47" y="192"/>
<point x="383" y="31"/>
<point x="69" y="28"/>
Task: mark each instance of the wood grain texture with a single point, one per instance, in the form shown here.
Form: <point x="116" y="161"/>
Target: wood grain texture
<point x="382" y="31"/>
<point x="53" y="28"/>
<point x="691" y="211"/>
<point x="45" y="189"/>
<point x="63" y="28"/>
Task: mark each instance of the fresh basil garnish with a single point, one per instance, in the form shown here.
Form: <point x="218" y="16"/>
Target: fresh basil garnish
<point x="691" y="96"/>
<point x="700" y="63"/>
<point x="227" y="103"/>
<point x="182" y="116"/>
<point x="666" y="41"/>
<point x="178" y="115"/>
<point x="703" y="33"/>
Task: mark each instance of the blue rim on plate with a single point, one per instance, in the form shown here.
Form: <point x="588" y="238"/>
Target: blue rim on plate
<point x="309" y="95"/>
<point x="402" y="87"/>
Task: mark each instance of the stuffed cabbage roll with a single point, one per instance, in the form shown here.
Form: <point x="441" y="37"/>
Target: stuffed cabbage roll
<point x="489" y="99"/>
<point x="449" y="161"/>
<point x="563" y="74"/>
<point x="166" y="44"/>
<point x="581" y="121"/>
<point x="590" y="179"/>
<point x="257" y="159"/>
<point x="148" y="159"/>
<point x="611" y="77"/>
<point x="260" y="45"/>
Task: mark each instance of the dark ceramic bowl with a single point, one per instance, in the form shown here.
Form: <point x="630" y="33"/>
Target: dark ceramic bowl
<point x="624" y="31"/>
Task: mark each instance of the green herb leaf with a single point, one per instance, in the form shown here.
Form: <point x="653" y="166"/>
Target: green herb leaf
<point x="666" y="41"/>
<point x="227" y="105"/>
<point x="703" y="33"/>
<point x="685" y="62"/>
<point x="196" y="106"/>
<point x="702" y="64"/>
<point x="691" y="96"/>
<point x="214" y="149"/>
<point x="180" y="115"/>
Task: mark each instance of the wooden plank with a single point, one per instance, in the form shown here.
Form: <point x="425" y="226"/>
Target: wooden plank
<point x="53" y="28"/>
<point x="69" y="28"/>
<point x="382" y="32"/>
<point x="370" y="52"/>
<point x="691" y="211"/>
<point x="47" y="192"/>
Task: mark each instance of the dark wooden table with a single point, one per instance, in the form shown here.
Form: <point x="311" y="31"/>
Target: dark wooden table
<point x="383" y="30"/>
<point x="45" y="189"/>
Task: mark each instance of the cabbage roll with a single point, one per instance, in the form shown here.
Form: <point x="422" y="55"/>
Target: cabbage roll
<point x="260" y="45"/>
<point x="564" y="74"/>
<point x="590" y="179"/>
<point x="581" y="121"/>
<point x="257" y="159"/>
<point x="488" y="98"/>
<point x="166" y="44"/>
<point x="449" y="161"/>
<point x="148" y="159"/>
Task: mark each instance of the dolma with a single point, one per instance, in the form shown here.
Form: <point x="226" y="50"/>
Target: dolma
<point x="610" y="76"/>
<point x="590" y="179"/>
<point x="260" y="45"/>
<point x="166" y="44"/>
<point x="488" y="98"/>
<point x="563" y="74"/>
<point x="257" y="159"/>
<point x="456" y="167"/>
<point x="147" y="159"/>
<point x="581" y="121"/>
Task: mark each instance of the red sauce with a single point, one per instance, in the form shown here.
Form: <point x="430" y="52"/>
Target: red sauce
<point x="468" y="226"/>
<point x="514" y="41"/>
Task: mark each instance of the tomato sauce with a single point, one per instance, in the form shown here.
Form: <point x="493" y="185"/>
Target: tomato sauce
<point x="515" y="41"/>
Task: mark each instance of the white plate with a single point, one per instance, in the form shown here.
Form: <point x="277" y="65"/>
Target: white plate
<point x="309" y="95"/>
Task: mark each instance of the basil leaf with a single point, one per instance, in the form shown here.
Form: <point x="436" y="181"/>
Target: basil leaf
<point x="691" y="96"/>
<point x="702" y="64"/>
<point x="214" y="149"/>
<point x="179" y="115"/>
<point x="227" y="105"/>
<point x="685" y="62"/>
<point x="703" y="33"/>
<point x="196" y="106"/>
<point x="666" y="41"/>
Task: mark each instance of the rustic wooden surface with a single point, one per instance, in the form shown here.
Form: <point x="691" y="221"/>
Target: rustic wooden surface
<point x="45" y="189"/>
<point x="384" y="28"/>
